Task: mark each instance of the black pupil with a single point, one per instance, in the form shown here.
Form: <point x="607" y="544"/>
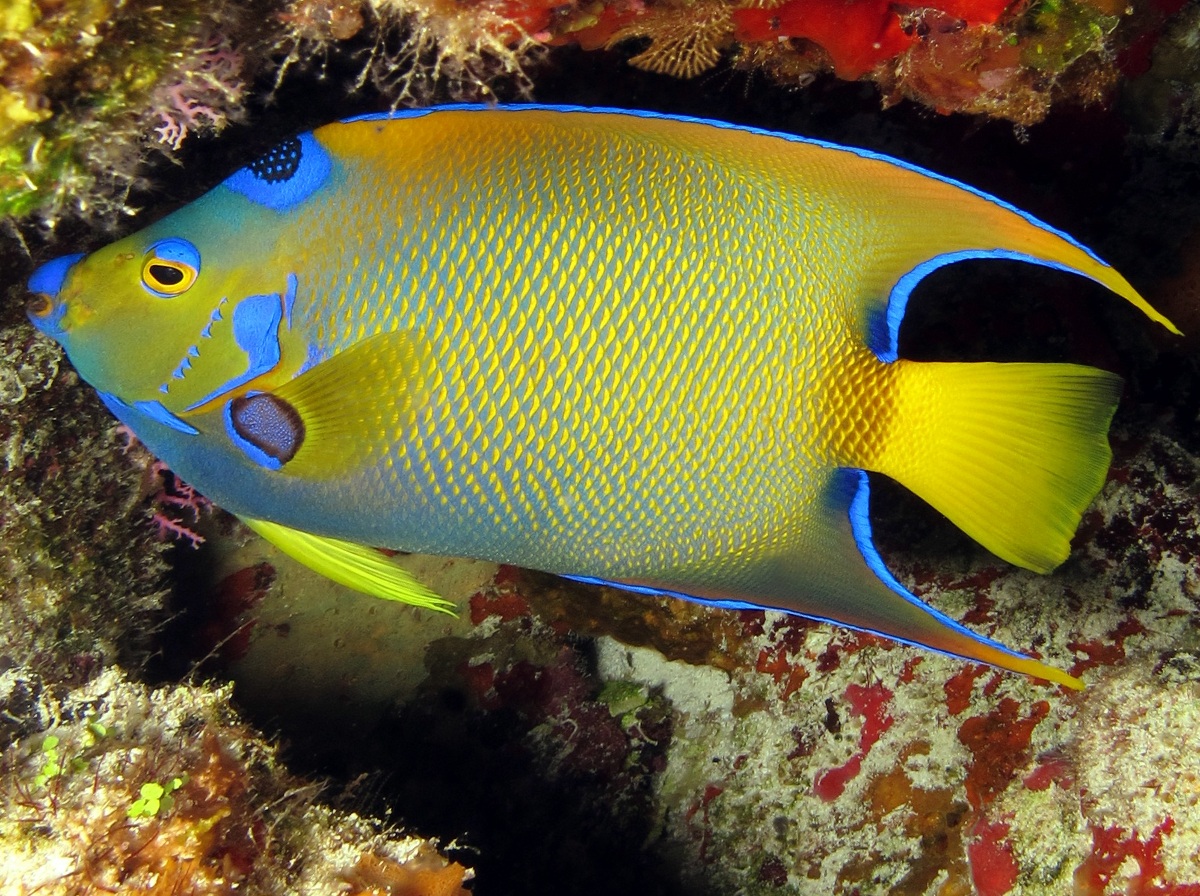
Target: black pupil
<point x="167" y="276"/>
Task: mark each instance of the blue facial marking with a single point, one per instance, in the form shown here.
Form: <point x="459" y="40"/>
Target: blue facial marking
<point x="48" y="280"/>
<point x="119" y="409"/>
<point x="289" y="299"/>
<point x="256" y="329"/>
<point x="123" y="411"/>
<point x="194" y="351"/>
<point x="155" y="411"/>
<point x="256" y="322"/>
<point x="286" y="175"/>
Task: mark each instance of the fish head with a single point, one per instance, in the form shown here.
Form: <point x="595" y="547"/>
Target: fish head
<point x="193" y="308"/>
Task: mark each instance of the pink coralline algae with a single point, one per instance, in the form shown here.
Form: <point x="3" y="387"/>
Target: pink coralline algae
<point x="175" y="499"/>
<point x="1113" y="848"/>
<point x="993" y="868"/>
<point x="999" y="745"/>
<point x="209" y="86"/>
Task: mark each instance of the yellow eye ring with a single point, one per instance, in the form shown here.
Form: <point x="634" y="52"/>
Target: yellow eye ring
<point x="170" y="268"/>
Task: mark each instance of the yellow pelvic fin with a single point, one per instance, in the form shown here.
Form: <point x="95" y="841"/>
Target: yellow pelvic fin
<point x="354" y="405"/>
<point x="361" y="568"/>
<point x="1011" y="453"/>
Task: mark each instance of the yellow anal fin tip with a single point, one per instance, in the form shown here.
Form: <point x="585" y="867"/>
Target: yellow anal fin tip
<point x="353" y="565"/>
<point x="1037" y="669"/>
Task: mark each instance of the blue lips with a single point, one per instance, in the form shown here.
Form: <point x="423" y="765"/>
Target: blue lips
<point x="46" y="283"/>
<point x="49" y="277"/>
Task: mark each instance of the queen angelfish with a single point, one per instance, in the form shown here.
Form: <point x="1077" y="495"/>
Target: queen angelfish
<point x="621" y="347"/>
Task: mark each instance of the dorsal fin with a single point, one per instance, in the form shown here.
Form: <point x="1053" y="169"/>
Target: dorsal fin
<point x="967" y="224"/>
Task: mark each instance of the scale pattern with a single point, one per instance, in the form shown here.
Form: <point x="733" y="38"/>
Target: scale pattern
<point x="622" y="374"/>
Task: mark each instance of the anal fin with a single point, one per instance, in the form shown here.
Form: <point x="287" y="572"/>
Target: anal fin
<point x="841" y="578"/>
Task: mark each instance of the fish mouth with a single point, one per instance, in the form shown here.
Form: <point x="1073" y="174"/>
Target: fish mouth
<point x="46" y="315"/>
<point x="44" y="309"/>
<point x="40" y="305"/>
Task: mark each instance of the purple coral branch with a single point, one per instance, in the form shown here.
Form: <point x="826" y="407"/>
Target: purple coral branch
<point x="207" y="83"/>
<point x="169" y="528"/>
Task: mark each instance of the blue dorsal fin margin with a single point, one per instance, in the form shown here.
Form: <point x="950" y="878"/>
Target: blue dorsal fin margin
<point x="883" y="327"/>
<point x="794" y="138"/>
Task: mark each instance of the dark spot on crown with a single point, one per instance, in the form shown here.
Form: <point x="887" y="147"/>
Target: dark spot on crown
<point x="268" y="423"/>
<point x="278" y="164"/>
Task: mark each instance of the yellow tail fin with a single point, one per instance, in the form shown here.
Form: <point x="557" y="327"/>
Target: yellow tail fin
<point x="1011" y="453"/>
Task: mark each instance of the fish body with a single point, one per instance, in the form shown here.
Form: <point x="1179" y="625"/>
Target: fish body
<point x="620" y="347"/>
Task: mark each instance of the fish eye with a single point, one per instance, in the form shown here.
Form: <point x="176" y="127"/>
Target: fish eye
<point x="170" y="267"/>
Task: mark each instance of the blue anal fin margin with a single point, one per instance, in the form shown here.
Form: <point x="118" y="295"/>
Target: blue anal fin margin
<point x="842" y="580"/>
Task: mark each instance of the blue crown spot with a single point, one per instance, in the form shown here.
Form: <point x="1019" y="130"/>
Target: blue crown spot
<point x="284" y="176"/>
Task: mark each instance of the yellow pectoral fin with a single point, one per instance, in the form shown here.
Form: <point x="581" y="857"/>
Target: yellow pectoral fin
<point x="345" y="412"/>
<point x="361" y="568"/>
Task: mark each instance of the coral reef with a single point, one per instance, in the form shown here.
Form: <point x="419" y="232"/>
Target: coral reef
<point x="997" y="59"/>
<point x="70" y="605"/>
<point x="88" y="88"/>
<point x="136" y="791"/>
<point x="89" y="91"/>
